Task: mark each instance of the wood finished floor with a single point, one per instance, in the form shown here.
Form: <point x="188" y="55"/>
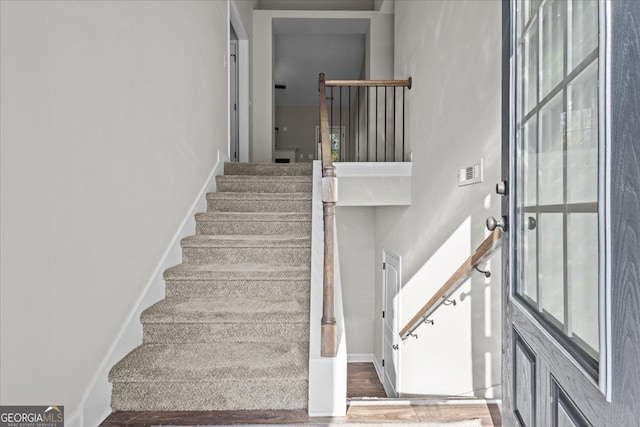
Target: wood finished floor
<point x="362" y="382"/>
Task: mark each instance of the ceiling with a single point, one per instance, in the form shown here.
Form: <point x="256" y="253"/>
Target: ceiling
<point x="306" y="47"/>
<point x="317" y="4"/>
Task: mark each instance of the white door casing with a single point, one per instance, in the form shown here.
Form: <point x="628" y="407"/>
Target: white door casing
<point x="234" y="121"/>
<point x="391" y="283"/>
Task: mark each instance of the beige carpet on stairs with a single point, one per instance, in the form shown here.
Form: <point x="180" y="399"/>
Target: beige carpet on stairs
<point x="233" y="330"/>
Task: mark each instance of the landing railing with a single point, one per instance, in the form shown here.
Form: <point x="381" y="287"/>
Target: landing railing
<point x="484" y="251"/>
<point x="387" y="145"/>
<point x="366" y="119"/>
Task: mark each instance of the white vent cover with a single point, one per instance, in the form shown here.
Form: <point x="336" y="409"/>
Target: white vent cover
<point x="470" y="174"/>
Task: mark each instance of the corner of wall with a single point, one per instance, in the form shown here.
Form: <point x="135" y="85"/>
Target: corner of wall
<point x="95" y="405"/>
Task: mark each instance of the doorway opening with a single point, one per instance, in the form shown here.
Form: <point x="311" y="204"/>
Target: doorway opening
<point x="304" y="48"/>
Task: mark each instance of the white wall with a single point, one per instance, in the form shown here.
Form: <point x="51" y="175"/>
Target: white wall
<point x="245" y="10"/>
<point x="112" y="115"/>
<point x="357" y="254"/>
<point x="452" y="51"/>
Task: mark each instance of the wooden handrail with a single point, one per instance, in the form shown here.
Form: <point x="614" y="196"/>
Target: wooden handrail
<point x="369" y="83"/>
<point x="486" y="248"/>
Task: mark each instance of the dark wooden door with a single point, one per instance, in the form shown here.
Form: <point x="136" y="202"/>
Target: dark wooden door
<point x="571" y="163"/>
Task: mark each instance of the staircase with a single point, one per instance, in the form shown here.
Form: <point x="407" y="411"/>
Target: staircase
<point x="233" y="330"/>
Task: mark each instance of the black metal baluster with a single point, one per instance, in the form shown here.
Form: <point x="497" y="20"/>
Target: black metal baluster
<point x="385" y="123"/>
<point x="394" y="124"/>
<point x="366" y="92"/>
<point x="376" y="159"/>
<point x="357" y="124"/>
<point x="350" y="124"/>
<point x="403" y="106"/>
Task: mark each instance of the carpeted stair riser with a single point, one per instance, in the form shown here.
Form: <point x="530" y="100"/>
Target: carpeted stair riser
<point x="252" y="309"/>
<point x="259" y="202"/>
<point x="271" y="290"/>
<point x="214" y="205"/>
<point x="233" y="281"/>
<point x="251" y="318"/>
<point x="268" y="169"/>
<point x="230" y="395"/>
<point x="298" y="224"/>
<point x="282" y="332"/>
<point x="205" y="362"/>
<point x="203" y="249"/>
<point x="276" y="255"/>
<point x="266" y="184"/>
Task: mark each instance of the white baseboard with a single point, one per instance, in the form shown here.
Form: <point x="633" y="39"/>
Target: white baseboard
<point x="73" y="420"/>
<point x="378" y="366"/>
<point x="95" y="405"/>
<point x="360" y="357"/>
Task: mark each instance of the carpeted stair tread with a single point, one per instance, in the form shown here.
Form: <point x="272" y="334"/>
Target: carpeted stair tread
<point x="212" y="362"/>
<point x="273" y="169"/>
<point x="246" y="201"/>
<point x="237" y="310"/>
<point x="249" y="241"/>
<point x="263" y="179"/>
<point x="260" y="196"/>
<point x="263" y="184"/>
<point x="241" y="271"/>
<point x="253" y="223"/>
<point x="254" y="216"/>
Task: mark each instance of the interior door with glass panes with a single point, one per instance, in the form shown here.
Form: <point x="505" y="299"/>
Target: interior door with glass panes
<point x="557" y="352"/>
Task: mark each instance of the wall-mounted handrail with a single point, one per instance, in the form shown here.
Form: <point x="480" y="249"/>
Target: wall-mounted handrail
<point x="482" y="252"/>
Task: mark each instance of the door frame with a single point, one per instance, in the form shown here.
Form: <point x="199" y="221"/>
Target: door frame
<point x="234" y="98"/>
<point x="397" y="261"/>
<point x="243" y="65"/>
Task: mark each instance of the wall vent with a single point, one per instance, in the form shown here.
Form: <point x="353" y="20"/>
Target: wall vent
<point x="470" y="174"/>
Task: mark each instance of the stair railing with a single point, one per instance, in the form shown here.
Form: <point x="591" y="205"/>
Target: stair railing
<point x="329" y="335"/>
<point x="329" y="181"/>
<point x="370" y="117"/>
<point x="442" y="296"/>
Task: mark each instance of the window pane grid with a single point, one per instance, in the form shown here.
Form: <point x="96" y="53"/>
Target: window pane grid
<point x="557" y="205"/>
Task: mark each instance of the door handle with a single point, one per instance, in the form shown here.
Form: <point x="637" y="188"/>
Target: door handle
<point x="395" y="346"/>
<point x="493" y="223"/>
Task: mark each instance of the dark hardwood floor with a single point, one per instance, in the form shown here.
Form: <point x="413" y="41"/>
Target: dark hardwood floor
<point x="362" y="382"/>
